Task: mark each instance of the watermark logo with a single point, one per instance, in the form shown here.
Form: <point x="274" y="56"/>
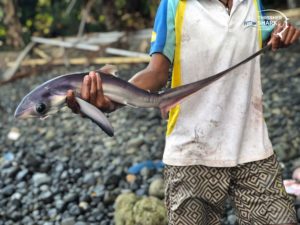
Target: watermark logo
<point x="268" y="19"/>
<point x="249" y="23"/>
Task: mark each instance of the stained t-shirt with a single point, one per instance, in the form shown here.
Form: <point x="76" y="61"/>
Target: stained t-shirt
<point x="221" y="125"/>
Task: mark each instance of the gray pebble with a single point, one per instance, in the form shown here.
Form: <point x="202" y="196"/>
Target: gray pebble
<point x="74" y="210"/>
<point x="8" y="190"/>
<point x="64" y="175"/>
<point x="68" y="221"/>
<point x="52" y="213"/>
<point x="41" y="178"/>
<point x="89" y="179"/>
<point x="22" y="175"/>
<point x="70" y="197"/>
<point x="46" y="197"/>
<point x="135" y="142"/>
<point x="80" y="223"/>
<point x="232" y="219"/>
<point x="157" y="188"/>
<point x="60" y="205"/>
<point x="48" y="223"/>
<point x="16" y="195"/>
<point x="10" y="172"/>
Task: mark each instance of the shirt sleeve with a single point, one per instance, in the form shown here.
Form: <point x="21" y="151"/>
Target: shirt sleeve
<point x="163" y="34"/>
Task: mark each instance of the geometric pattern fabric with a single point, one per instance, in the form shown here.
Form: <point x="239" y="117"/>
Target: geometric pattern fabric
<point x="196" y="195"/>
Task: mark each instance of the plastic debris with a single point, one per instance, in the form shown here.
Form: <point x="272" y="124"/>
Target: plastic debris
<point x="149" y="164"/>
<point x="296" y="174"/>
<point x="292" y="187"/>
<point x="8" y="156"/>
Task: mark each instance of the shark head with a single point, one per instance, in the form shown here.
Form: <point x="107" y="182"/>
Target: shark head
<point x="41" y="102"/>
<point x="50" y="96"/>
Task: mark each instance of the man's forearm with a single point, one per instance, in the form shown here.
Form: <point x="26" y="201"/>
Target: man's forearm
<point x="148" y="80"/>
<point x="155" y="76"/>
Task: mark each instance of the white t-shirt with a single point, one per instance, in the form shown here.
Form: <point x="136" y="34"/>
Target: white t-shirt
<point x="221" y="125"/>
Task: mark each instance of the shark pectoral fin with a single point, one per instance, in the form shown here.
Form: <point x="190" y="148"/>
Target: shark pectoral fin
<point x="96" y="116"/>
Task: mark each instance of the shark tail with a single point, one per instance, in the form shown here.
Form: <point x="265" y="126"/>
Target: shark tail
<point x="173" y="96"/>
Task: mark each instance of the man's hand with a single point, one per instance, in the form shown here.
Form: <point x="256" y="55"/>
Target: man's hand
<point x="92" y="92"/>
<point x="284" y="39"/>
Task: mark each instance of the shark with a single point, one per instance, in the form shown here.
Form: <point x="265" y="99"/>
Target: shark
<point x="49" y="97"/>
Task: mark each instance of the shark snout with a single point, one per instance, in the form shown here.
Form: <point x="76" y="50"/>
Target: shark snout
<point x="20" y="114"/>
<point x="17" y="115"/>
<point x="23" y="114"/>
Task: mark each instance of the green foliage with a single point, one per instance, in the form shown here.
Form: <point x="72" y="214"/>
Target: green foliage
<point x="50" y="18"/>
<point x="43" y="23"/>
<point x="120" y="4"/>
<point x="2" y="31"/>
<point x="2" y="28"/>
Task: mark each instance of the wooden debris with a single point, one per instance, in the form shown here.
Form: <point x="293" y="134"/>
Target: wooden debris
<point x="9" y="73"/>
<point x="41" y="53"/>
<point x="106" y="38"/>
<point x="18" y="75"/>
<point x="121" y="52"/>
<point x="48" y="55"/>
<point x="85" y="61"/>
<point x="65" y="44"/>
<point x="103" y="38"/>
<point x="141" y="34"/>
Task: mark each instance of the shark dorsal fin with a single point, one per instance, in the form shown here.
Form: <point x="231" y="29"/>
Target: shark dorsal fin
<point x="110" y="69"/>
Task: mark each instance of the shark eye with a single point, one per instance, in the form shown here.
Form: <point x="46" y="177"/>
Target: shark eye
<point x="40" y="108"/>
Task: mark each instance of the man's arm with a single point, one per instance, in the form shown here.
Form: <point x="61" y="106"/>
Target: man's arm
<point x="152" y="78"/>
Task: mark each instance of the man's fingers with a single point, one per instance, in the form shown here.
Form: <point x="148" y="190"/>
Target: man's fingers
<point x="275" y="42"/>
<point x="71" y="101"/>
<point x="295" y="37"/>
<point x="284" y="36"/>
<point x="285" y="30"/>
<point x="276" y="38"/>
<point x="85" y="88"/>
<point x="70" y="97"/>
<point x="93" y="91"/>
<point x="101" y="100"/>
<point x="279" y="28"/>
<point x="289" y="36"/>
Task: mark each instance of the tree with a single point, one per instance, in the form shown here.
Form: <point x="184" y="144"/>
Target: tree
<point x="12" y="23"/>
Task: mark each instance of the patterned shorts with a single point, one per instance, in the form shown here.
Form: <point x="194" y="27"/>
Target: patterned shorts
<point x="196" y="195"/>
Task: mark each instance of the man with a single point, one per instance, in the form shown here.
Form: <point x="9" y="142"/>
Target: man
<point x="217" y="142"/>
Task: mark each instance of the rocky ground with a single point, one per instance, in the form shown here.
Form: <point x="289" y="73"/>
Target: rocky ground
<point x="65" y="170"/>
